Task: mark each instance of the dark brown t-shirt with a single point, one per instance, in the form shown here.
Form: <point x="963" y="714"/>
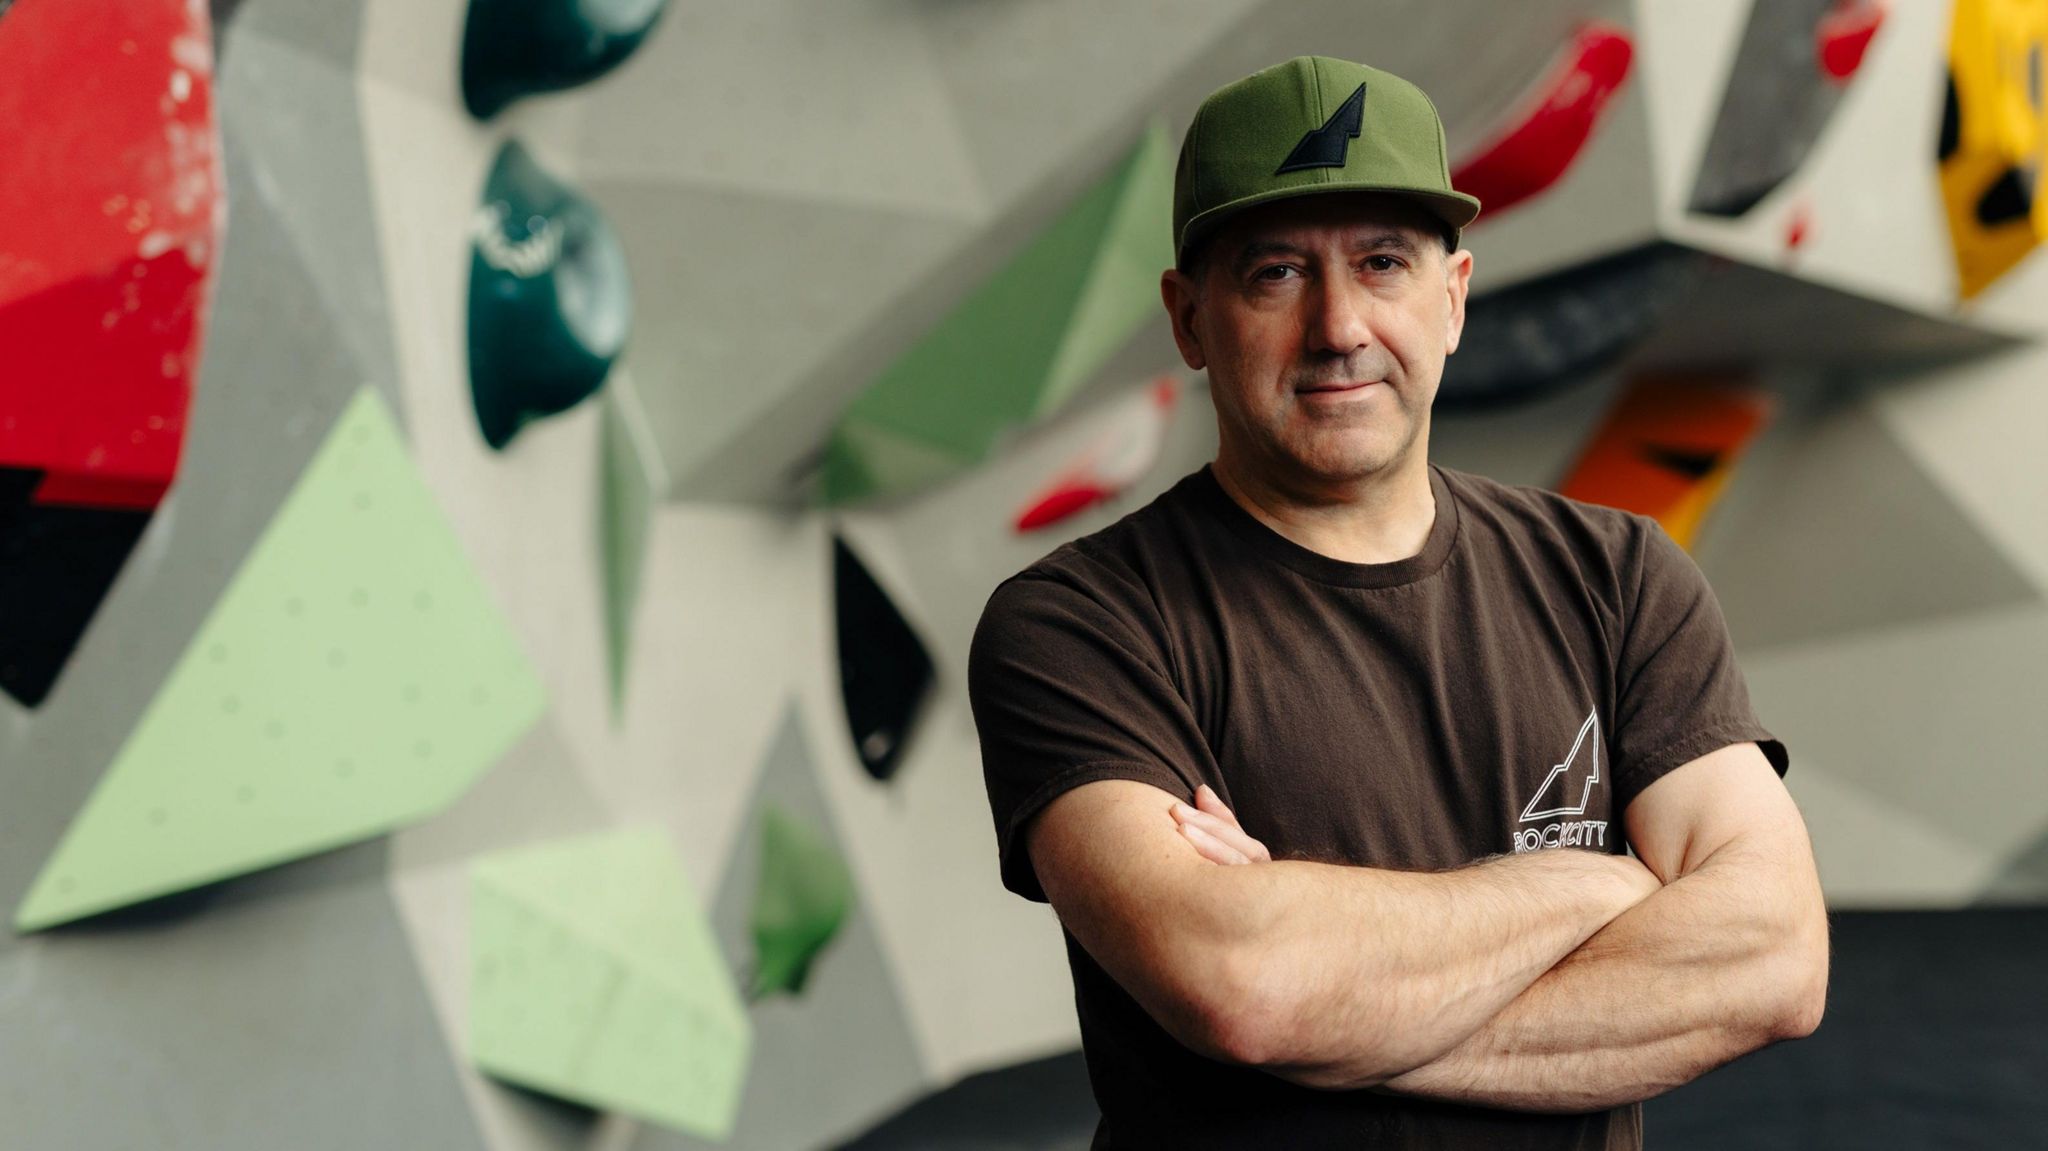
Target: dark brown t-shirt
<point x="1510" y="687"/>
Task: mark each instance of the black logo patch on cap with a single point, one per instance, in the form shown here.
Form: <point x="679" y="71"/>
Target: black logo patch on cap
<point x="1325" y="146"/>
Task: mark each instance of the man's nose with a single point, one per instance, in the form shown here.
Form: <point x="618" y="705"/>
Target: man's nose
<point x="1341" y="316"/>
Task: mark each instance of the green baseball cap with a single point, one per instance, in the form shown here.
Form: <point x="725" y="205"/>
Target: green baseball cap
<point x="1312" y="124"/>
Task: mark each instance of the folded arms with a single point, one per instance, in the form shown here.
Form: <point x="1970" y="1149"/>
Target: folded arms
<point x="1560" y="980"/>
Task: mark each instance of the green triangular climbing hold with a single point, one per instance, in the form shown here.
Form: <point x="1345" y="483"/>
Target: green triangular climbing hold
<point x="354" y="676"/>
<point x="803" y="898"/>
<point x="1123" y="288"/>
<point x="595" y="977"/>
<point x="1026" y="338"/>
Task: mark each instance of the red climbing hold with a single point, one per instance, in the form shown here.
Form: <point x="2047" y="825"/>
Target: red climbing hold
<point x="1128" y="437"/>
<point x="1556" y="121"/>
<point x="113" y="198"/>
<point x="113" y="201"/>
<point x="1799" y="227"/>
<point x="1844" y="34"/>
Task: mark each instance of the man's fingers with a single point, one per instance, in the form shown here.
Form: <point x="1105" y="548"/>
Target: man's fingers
<point x="1207" y="800"/>
<point x="1232" y="831"/>
<point x="1213" y="848"/>
<point x="1208" y="846"/>
<point x="1224" y="832"/>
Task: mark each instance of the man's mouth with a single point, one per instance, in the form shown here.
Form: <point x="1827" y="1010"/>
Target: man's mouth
<point x="1346" y="387"/>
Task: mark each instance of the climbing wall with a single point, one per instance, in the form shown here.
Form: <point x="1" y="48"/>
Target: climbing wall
<point x="528" y="646"/>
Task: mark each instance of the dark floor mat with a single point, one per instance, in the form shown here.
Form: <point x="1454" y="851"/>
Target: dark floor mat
<point x="1936" y="1035"/>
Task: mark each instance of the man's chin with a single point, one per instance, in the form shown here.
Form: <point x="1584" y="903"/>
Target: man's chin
<point x="1326" y="470"/>
<point x="1339" y="462"/>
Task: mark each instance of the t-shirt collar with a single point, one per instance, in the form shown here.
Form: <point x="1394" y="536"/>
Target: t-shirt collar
<point x="1269" y="544"/>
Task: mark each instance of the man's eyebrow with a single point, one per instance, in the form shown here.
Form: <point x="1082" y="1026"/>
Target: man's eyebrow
<point x="1258" y="250"/>
<point x="1389" y="240"/>
<point x="1396" y="242"/>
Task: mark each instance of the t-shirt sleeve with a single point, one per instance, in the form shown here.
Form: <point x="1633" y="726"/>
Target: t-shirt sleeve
<point x="1678" y="691"/>
<point x="1067" y="690"/>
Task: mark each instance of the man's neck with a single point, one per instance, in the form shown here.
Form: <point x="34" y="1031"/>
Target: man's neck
<point x="1375" y="519"/>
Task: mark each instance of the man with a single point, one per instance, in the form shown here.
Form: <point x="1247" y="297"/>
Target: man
<point x="1329" y="759"/>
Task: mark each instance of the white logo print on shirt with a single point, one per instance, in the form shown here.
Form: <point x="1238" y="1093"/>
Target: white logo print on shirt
<point x="1567" y="790"/>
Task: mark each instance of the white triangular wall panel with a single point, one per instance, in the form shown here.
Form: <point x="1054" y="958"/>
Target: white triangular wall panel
<point x="1874" y="853"/>
<point x="2018" y="300"/>
<point x="520" y="511"/>
<point x="949" y="930"/>
<point x="1940" y="717"/>
<point x="1868" y="189"/>
<point x="1978" y="430"/>
<point x="722" y="636"/>
<point x="952" y="932"/>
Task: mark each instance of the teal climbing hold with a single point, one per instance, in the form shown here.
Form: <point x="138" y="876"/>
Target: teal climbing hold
<point x="515" y="48"/>
<point x="550" y="301"/>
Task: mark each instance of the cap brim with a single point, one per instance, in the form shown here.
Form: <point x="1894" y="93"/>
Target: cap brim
<point x="1454" y="208"/>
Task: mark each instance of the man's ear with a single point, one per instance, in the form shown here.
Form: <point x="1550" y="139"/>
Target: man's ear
<point x="1180" y="295"/>
<point x="1457" y="279"/>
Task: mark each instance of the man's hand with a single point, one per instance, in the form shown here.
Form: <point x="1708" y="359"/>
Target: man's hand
<point x="1215" y="832"/>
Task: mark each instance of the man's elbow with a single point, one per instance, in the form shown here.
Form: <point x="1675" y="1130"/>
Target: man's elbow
<point x="1254" y="1023"/>
<point x="1804" y="981"/>
<point x="1230" y="1005"/>
<point x="1231" y="1011"/>
<point x="1266" y="1044"/>
<point x="1802" y="1013"/>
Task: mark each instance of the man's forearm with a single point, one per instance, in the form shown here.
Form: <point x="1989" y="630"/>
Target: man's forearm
<point x="1717" y="964"/>
<point x="1360" y="974"/>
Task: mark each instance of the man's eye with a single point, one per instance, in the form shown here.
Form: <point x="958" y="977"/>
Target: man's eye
<point x="1382" y="263"/>
<point x="1267" y="272"/>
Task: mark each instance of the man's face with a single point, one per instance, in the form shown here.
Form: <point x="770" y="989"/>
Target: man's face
<point x="1323" y="322"/>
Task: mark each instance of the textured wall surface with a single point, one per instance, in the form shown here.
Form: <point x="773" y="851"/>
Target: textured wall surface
<point x="802" y="191"/>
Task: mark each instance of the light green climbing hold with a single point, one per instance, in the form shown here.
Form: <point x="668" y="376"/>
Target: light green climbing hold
<point x="354" y="676"/>
<point x="595" y="977"/>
